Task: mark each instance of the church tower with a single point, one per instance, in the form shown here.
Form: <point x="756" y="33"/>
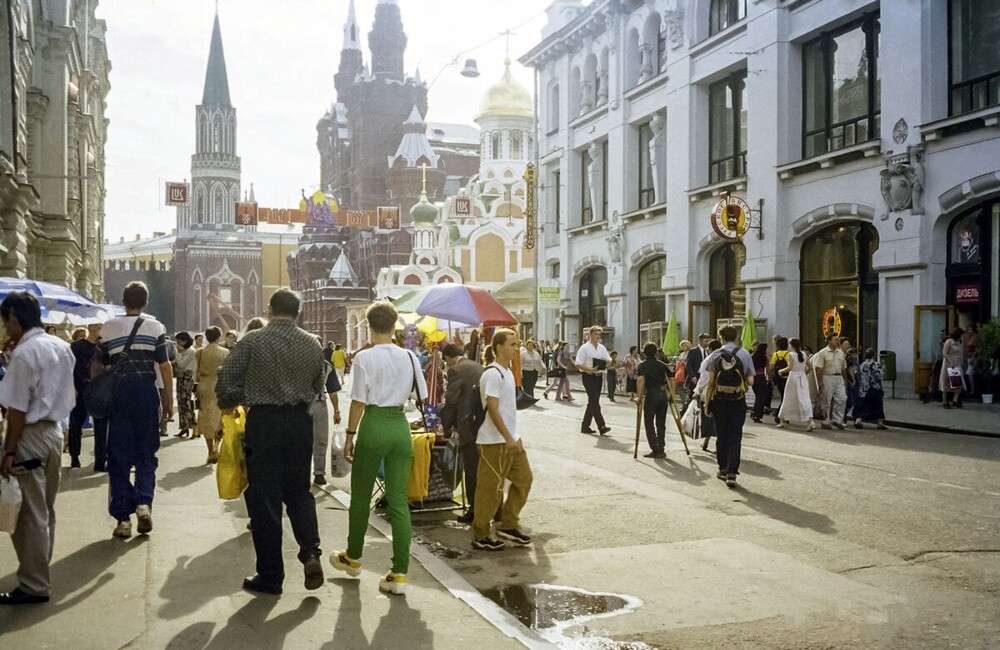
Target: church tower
<point x="387" y="41"/>
<point x="351" y="61"/>
<point x="215" y="167"/>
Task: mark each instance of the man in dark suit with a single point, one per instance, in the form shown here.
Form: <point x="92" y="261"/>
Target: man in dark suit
<point x="696" y="356"/>
<point x="463" y="377"/>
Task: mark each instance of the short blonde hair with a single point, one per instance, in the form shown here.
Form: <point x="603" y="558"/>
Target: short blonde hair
<point x="382" y="317"/>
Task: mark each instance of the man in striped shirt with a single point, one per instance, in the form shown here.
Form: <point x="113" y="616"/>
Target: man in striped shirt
<point x="133" y="430"/>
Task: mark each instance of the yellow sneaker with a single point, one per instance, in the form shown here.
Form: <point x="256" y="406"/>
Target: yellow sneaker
<point x="393" y="583"/>
<point x="341" y="562"/>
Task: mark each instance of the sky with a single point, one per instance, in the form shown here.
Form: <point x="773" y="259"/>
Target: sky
<point x="281" y="58"/>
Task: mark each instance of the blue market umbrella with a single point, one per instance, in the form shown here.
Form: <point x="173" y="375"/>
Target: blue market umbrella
<point x="50" y="296"/>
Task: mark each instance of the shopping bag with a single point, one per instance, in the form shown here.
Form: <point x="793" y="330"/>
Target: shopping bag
<point x="955" y="378"/>
<point x="688" y="420"/>
<point x="339" y="467"/>
<point x="231" y="471"/>
<point x="10" y="504"/>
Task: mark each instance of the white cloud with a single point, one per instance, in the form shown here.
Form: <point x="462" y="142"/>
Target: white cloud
<point x="281" y="58"/>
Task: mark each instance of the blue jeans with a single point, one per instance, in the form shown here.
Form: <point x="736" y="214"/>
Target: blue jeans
<point x="729" y="418"/>
<point x="133" y="440"/>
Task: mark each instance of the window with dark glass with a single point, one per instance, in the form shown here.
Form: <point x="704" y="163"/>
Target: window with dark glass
<point x="586" y="207"/>
<point x="646" y="192"/>
<point x="557" y="194"/>
<point x="593" y="302"/>
<point x="974" y="53"/>
<point x="727" y="128"/>
<point x="841" y="88"/>
<point x="723" y="14"/>
<point x="652" y="300"/>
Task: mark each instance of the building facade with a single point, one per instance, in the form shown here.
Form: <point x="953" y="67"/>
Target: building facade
<point x="859" y="139"/>
<point x="53" y="132"/>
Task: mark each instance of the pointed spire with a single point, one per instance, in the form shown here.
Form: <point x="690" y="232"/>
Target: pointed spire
<point x="253" y="199"/>
<point x="216" y="79"/>
<point x="352" y="34"/>
<point x="416" y="76"/>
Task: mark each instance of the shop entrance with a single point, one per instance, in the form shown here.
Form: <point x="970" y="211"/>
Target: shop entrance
<point x="652" y="305"/>
<point x="839" y="288"/>
<point x="593" y="303"/>
<point x="725" y="288"/>
<point x="972" y="265"/>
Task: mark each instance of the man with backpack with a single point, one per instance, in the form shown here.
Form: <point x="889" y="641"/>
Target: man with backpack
<point x="458" y="413"/>
<point x="730" y="375"/>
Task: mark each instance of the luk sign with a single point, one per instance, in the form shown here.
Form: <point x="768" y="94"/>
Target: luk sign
<point x="463" y="206"/>
<point x="731" y="218"/>
<point x="176" y="194"/>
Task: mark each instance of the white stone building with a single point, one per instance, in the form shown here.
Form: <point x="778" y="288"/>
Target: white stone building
<point x="53" y="129"/>
<point x="865" y="132"/>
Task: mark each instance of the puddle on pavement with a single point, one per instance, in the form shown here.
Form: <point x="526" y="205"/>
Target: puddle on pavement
<point x="440" y="550"/>
<point x="551" y="610"/>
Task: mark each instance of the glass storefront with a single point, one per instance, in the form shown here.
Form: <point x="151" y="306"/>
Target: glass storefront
<point x="593" y="303"/>
<point x="725" y="289"/>
<point x="652" y="303"/>
<point x="839" y="289"/>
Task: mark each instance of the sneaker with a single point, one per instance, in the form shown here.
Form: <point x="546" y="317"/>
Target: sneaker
<point x="393" y="583"/>
<point x="731" y="481"/>
<point x="341" y="562"/>
<point x="319" y="479"/>
<point x="514" y="536"/>
<point x="145" y="518"/>
<point x="721" y="475"/>
<point x="313" y="569"/>
<point x="123" y="529"/>
<point x="488" y="544"/>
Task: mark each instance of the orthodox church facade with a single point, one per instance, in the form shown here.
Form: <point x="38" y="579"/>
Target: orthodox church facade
<point x="477" y="235"/>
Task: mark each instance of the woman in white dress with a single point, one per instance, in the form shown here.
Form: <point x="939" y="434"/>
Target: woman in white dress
<point x="797" y="405"/>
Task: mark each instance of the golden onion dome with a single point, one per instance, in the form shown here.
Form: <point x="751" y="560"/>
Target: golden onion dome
<point x="506" y="98"/>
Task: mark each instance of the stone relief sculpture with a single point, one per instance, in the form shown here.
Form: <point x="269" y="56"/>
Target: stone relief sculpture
<point x="902" y="182"/>
<point x="656" y="125"/>
<point x="645" y="62"/>
<point x="615" y="248"/>
<point x="611" y="24"/>
<point x="594" y="178"/>
<point x="586" y="94"/>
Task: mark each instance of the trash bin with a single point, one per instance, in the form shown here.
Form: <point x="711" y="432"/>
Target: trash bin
<point x="888" y="360"/>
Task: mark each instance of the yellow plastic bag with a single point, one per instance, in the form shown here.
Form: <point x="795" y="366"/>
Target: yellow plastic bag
<point x="231" y="471"/>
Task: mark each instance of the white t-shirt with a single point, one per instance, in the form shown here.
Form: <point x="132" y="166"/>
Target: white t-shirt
<point x="587" y="353"/>
<point x="498" y="382"/>
<point x="383" y="376"/>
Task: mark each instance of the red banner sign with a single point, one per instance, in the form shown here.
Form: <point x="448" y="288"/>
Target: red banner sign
<point x="967" y="294"/>
<point x="463" y="206"/>
<point x="176" y="194"/>
<point x="246" y="214"/>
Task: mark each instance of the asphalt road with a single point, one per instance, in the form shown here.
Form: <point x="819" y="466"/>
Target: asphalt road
<point x="832" y="540"/>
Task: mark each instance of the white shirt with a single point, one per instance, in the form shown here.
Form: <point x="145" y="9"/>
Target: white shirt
<point x="383" y="376"/>
<point x="587" y="353"/>
<point x="532" y="361"/>
<point x="499" y="383"/>
<point x="39" y="379"/>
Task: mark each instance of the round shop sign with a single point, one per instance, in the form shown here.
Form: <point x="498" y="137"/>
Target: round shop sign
<point x="731" y="218"/>
<point x="832" y="323"/>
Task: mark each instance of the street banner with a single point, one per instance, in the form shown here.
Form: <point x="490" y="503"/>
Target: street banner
<point x="388" y="218"/>
<point x="549" y="296"/>
<point x="246" y="213"/>
<point x="281" y="215"/>
<point x="176" y="194"/>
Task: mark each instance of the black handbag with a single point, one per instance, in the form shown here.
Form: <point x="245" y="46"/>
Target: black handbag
<point x="556" y="373"/>
<point x="99" y="394"/>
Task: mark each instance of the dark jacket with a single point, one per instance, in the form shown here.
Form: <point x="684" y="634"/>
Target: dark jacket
<point x="463" y="377"/>
<point x="695" y="358"/>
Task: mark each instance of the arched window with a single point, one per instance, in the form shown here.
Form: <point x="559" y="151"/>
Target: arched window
<point x="218" y="204"/>
<point x="838" y="284"/>
<point x="495" y="145"/>
<point x="516" y="139"/>
<point x="593" y="303"/>
<point x="652" y="304"/>
<point x="216" y="135"/>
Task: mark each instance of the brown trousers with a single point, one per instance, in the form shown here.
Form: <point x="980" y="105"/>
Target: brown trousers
<point x="496" y="465"/>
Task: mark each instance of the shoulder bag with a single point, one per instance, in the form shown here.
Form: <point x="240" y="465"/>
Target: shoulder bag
<point x="99" y="395"/>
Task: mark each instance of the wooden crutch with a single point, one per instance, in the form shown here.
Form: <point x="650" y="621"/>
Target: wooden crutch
<point x="638" y="420"/>
<point x="675" y="412"/>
